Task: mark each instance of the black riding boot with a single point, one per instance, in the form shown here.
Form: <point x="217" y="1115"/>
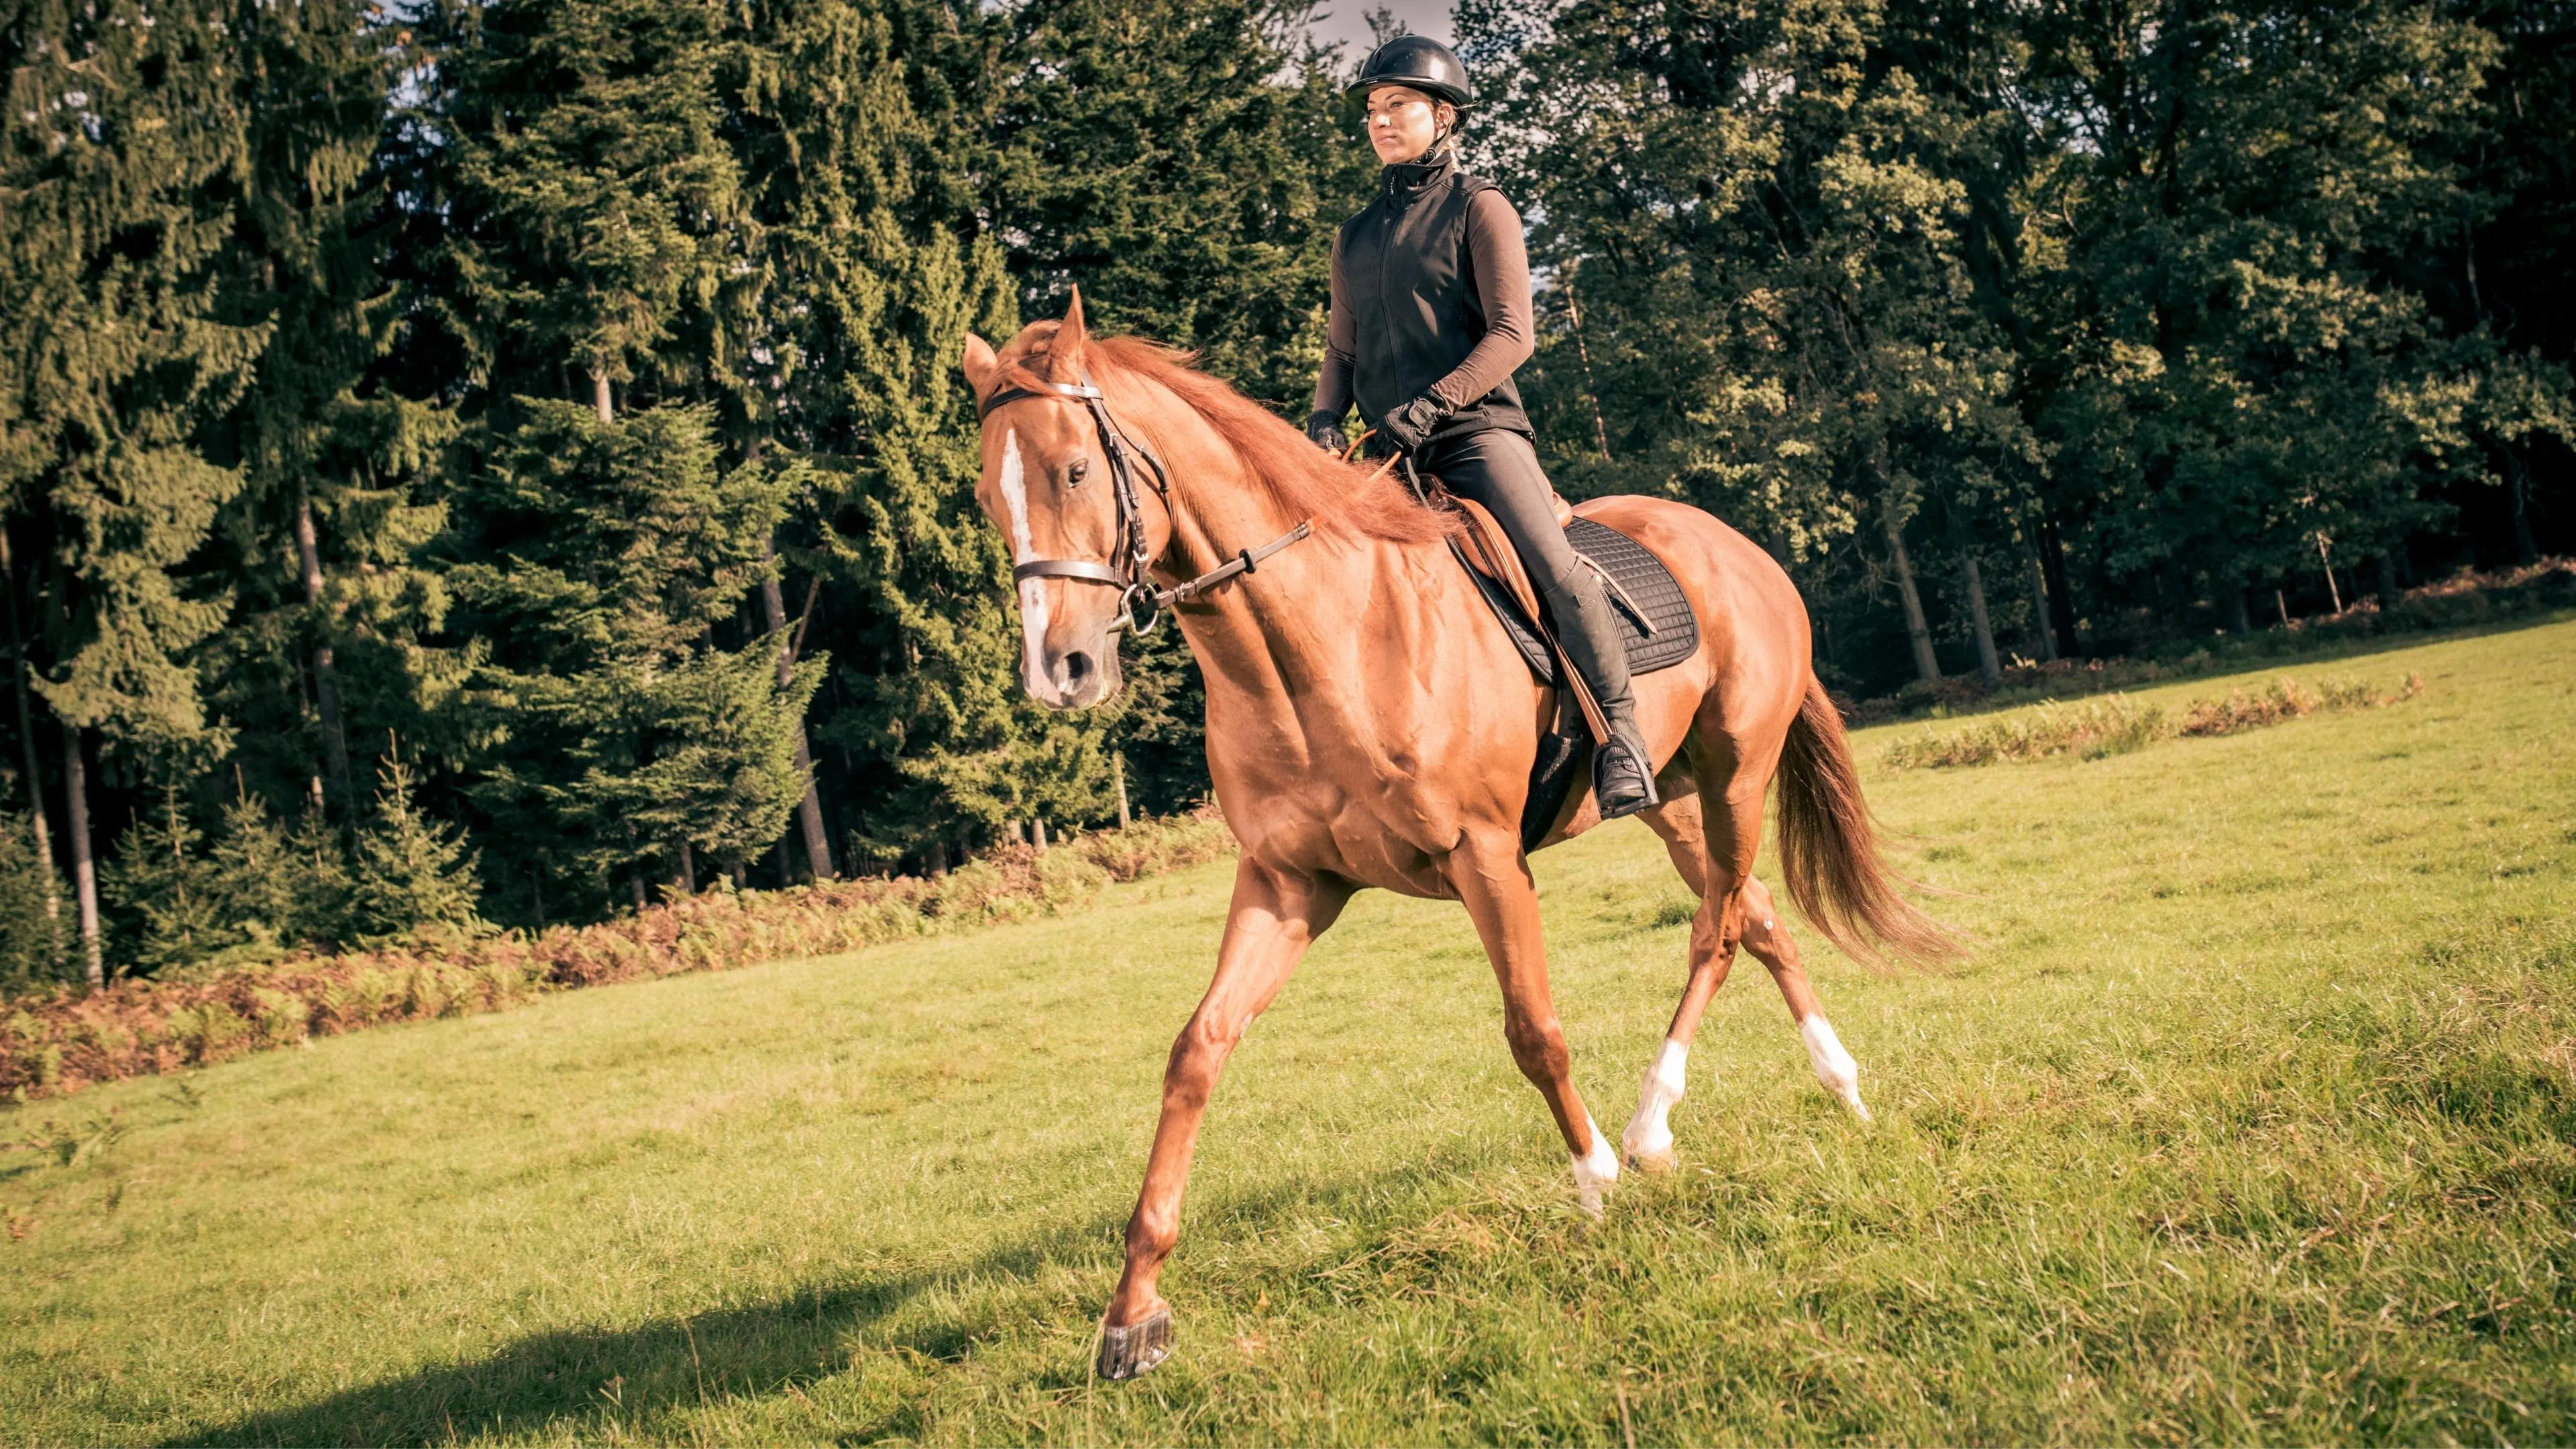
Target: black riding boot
<point x="1623" y="778"/>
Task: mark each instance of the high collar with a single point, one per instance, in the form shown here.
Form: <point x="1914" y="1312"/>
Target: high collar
<point x="1406" y="180"/>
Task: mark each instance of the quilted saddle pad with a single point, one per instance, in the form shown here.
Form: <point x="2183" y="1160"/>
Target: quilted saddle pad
<point x="1655" y="619"/>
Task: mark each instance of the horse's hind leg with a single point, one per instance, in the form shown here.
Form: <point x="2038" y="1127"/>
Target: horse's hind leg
<point x="1275" y="915"/>
<point x="1648" y="1140"/>
<point x="1770" y="944"/>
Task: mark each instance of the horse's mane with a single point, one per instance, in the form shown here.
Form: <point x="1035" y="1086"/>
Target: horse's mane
<point x="1302" y="479"/>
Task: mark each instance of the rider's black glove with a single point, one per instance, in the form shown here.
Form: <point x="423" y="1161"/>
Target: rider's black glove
<point x="1411" y="425"/>
<point x="1325" y="429"/>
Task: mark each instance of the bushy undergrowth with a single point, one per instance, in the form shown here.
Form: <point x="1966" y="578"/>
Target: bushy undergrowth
<point x="64" y="1042"/>
<point x="2115" y="724"/>
<point x="2467" y="600"/>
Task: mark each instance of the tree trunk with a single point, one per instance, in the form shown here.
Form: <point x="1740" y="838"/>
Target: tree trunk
<point x="1926" y="667"/>
<point x="809" y="811"/>
<point x="326" y="672"/>
<point x="2043" y="639"/>
<point x="635" y="879"/>
<point x="2061" y="603"/>
<point x="1990" y="666"/>
<point x="1118" y="770"/>
<point x="2517" y="479"/>
<point x="600" y="396"/>
<point x="84" y="872"/>
<point x="938" y="857"/>
<point x="2231" y="599"/>
<point x="18" y="667"/>
<point x="687" y="879"/>
<point x="1583" y="352"/>
<point x="1037" y="833"/>
<point x="2387" y="582"/>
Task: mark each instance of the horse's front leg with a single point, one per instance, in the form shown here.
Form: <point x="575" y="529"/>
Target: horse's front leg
<point x="1276" y="914"/>
<point x="1492" y="879"/>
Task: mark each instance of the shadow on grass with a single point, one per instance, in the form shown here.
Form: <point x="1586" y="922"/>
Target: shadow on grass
<point x="581" y="1382"/>
<point x="590" y="1384"/>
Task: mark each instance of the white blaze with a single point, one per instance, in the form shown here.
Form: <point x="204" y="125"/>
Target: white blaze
<point x="1033" y="607"/>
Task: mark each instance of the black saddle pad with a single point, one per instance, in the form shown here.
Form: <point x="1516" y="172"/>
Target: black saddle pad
<point x="1665" y="635"/>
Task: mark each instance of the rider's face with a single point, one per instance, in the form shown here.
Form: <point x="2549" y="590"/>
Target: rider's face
<point x="1402" y="121"/>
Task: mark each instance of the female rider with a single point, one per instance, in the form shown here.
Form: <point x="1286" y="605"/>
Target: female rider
<point x="1431" y="313"/>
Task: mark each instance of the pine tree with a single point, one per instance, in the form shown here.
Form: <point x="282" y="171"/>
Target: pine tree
<point x="336" y="461"/>
<point x="599" y="212"/>
<point x="122" y="151"/>
<point x="411" y="871"/>
<point x="30" y="944"/>
<point x="1185" y="163"/>
<point x="602" y="558"/>
<point x="164" y="909"/>
<point x="848" y="122"/>
<point x="276" y="888"/>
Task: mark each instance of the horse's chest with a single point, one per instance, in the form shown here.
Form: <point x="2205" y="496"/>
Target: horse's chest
<point x="1381" y="798"/>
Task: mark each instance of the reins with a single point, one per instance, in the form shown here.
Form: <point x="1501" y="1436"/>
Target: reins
<point x="1133" y="577"/>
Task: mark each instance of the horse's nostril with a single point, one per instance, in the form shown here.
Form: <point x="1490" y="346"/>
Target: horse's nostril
<point x="1077" y="668"/>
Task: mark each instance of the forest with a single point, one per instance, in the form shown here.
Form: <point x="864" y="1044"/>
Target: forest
<point x="477" y="464"/>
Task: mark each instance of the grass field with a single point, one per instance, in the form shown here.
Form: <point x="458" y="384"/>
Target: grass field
<point x="2254" y="1116"/>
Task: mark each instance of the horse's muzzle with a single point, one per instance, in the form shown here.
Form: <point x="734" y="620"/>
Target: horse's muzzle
<point x="1077" y="677"/>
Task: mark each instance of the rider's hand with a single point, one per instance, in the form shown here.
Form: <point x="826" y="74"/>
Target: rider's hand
<point x="1325" y="429"/>
<point x="1411" y="424"/>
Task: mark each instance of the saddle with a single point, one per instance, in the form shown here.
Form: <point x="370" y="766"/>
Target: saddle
<point x="1655" y="624"/>
<point x="1655" y="619"/>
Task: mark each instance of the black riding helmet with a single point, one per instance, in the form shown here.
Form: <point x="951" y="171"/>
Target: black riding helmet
<point x="1420" y="62"/>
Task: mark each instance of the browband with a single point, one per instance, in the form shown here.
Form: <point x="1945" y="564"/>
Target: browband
<point x="1014" y="394"/>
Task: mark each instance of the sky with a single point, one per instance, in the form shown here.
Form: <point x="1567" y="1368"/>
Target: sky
<point x="1347" y="22"/>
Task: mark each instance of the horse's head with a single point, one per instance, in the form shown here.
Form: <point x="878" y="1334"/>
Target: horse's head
<point x="1051" y="487"/>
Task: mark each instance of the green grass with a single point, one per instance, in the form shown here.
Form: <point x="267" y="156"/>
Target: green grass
<point x="2250" y="1118"/>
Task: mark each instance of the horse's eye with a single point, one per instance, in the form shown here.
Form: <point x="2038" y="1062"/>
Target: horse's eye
<point x="1074" y="474"/>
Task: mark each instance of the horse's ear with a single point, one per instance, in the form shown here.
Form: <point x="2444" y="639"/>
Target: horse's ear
<point x="1066" y="350"/>
<point x="980" y="364"/>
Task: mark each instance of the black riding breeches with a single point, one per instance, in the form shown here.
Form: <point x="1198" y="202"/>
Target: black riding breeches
<point x="1500" y="470"/>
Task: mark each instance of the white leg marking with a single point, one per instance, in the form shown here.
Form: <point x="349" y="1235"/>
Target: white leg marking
<point x="1648" y="1141"/>
<point x="1033" y="606"/>
<point x="1834" y="1066"/>
<point x="1595" y="1170"/>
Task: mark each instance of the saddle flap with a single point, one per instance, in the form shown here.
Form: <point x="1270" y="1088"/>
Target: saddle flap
<point x="1489" y="552"/>
<point x="1654" y="615"/>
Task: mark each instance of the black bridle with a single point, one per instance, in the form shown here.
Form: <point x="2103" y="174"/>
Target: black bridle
<point x="1130" y="574"/>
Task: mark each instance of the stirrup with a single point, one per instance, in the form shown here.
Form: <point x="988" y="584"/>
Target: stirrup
<point x="1606" y="763"/>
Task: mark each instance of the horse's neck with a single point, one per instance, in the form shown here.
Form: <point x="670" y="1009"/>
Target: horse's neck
<point x="1287" y="631"/>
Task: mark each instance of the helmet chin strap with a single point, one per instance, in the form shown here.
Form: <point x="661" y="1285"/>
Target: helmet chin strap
<point x="1439" y="143"/>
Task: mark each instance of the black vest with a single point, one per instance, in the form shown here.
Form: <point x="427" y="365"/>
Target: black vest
<point x="1415" y="311"/>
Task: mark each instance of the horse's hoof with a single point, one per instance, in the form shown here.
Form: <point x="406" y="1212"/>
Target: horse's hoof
<point x="1654" y="1163"/>
<point x="1129" y="1351"/>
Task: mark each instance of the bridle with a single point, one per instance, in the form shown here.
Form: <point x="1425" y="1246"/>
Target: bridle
<point x="1131" y="572"/>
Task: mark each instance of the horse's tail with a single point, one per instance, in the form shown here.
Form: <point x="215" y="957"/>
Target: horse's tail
<point x="1829" y="852"/>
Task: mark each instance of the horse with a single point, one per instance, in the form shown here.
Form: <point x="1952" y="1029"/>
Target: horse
<point x="1369" y="723"/>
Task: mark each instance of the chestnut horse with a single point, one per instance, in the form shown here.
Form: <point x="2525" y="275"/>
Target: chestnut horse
<point x="1369" y="723"/>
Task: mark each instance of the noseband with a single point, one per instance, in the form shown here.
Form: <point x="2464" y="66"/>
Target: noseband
<point x="1131" y="574"/>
